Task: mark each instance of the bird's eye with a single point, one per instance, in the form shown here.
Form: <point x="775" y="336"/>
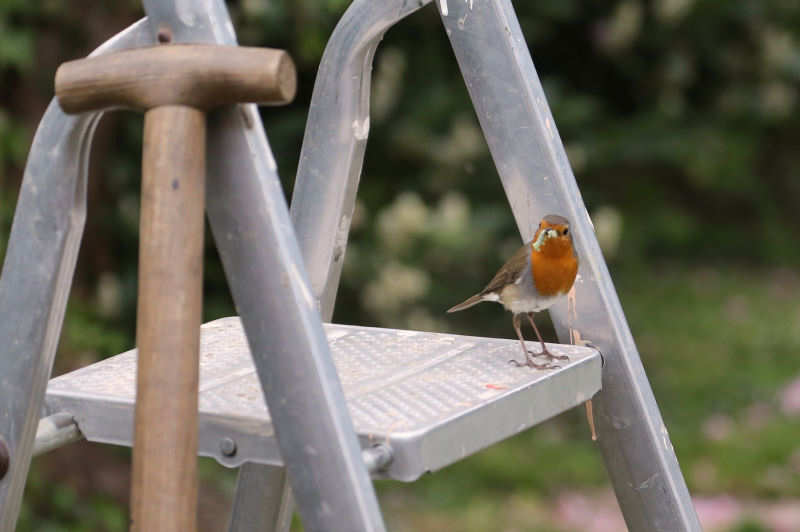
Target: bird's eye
<point x="565" y="231"/>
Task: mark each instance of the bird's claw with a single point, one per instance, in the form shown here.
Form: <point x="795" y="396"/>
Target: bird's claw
<point x="531" y="364"/>
<point x="549" y="355"/>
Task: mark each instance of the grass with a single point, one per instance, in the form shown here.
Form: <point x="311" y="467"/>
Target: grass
<point x="718" y="344"/>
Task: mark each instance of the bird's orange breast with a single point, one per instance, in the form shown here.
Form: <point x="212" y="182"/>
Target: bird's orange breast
<point x="554" y="267"/>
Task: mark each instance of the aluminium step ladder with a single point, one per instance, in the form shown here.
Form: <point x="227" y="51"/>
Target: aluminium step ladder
<point x="419" y="420"/>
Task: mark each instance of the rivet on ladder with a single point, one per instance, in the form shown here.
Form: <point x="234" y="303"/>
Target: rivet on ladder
<point x="227" y="446"/>
<point x="377" y="457"/>
<point x="164" y="35"/>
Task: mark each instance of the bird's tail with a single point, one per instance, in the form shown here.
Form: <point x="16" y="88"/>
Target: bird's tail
<point x="474" y="300"/>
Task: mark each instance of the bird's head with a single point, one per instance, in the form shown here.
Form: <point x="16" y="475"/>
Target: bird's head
<point x="553" y="237"/>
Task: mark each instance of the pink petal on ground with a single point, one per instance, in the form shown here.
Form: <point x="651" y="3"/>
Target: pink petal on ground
<point x="598" y="512"/>
<point x="758" y="415"/>
<point x="783" y="517"/>
<point x="718" y="427"/>
<point x="718" y="511"/>
<point x="790" y="398"/>
<point x="589" y="514"/>
<point x="794" y="461"/>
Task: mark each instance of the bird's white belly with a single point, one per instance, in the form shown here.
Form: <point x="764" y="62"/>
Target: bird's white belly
<point x="530" y="304"/>
<point x="519" y="298"/>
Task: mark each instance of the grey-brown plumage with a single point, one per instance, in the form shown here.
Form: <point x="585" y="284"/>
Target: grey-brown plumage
<point x="508" y="274"/>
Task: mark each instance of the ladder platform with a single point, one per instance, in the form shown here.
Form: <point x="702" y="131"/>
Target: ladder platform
<point x="433" y="398"/>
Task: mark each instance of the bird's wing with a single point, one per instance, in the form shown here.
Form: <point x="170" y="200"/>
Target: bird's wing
<point x="510" y="272"/>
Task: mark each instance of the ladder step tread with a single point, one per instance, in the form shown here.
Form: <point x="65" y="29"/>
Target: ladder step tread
<point x="434" y="398"/>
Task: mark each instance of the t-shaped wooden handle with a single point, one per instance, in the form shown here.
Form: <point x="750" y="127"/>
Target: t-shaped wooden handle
<point x="194" y="75"/>
<point x="174" y="85"/>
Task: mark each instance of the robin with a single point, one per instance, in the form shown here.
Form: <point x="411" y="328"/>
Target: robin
<point x="539" y="274"/>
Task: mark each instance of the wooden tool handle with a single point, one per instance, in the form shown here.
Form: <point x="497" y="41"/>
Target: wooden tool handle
<point x="199" y="76"/>
<point x="164" y="484"/>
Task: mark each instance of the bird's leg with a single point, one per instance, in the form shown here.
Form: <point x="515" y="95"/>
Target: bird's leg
<point x="544" y="352"/>
<point x="528" y="360"/>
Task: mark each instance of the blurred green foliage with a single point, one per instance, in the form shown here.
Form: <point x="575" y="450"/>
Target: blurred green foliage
<point x="680" y="121"/>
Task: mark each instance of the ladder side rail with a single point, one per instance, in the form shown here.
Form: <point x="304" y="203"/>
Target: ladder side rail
<point x="251" y="227"/>
<point x="37" y="274"/>
<point x="340" y="97"/>
<point x="263" y="501"/>
<point x="335" y="138"/>
<point x="533" y="166"/>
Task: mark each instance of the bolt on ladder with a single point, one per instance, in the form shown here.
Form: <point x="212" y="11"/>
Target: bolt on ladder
<point x="280" y="347"/>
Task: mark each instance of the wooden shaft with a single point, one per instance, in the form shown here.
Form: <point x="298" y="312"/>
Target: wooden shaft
<point x="200" y="76"/>
<point x="164" y="485"/>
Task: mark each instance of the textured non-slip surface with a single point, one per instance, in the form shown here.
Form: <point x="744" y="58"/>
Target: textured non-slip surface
<point x="434" y="398"/>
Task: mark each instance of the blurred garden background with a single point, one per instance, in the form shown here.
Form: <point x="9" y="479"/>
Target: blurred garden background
<point x="681" y="122"/>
